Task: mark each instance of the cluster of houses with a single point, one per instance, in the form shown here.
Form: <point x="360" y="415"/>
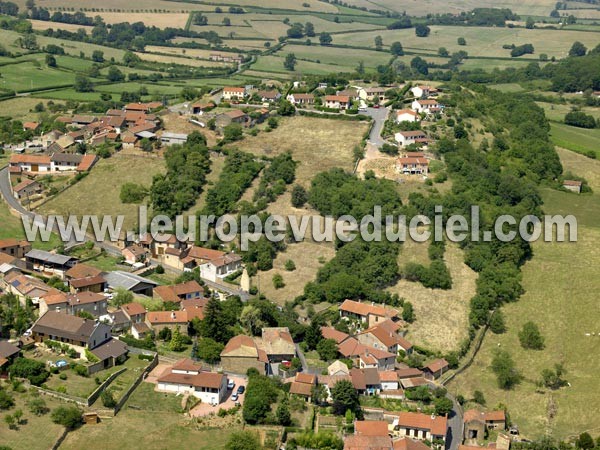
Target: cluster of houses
<point x="214" y="265"/>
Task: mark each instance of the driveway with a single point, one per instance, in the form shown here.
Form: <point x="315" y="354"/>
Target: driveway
<point x="379" y="116"/>
<point x="204" y="409"/>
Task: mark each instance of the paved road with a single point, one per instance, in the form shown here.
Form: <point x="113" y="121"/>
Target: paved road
<point x="455" y="426"/>
<point x="379" y="116"/>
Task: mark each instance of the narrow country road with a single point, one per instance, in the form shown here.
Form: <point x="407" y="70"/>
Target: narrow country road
<point x="455" y="425"/>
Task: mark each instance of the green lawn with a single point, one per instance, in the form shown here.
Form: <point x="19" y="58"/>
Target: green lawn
<point x="579" y="140"/>
<point x="338" y="56"/>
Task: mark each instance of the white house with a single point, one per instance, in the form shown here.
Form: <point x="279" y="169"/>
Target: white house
<point x="234" y="93"/>
<point x="186" y="376"/>
<point x="337" y="101"/>
<point x="406" y="115"/>
<point x="301" y="99"/>
<point x="404" y="138"/>
<point x="220" y="267"/>
<point x="423" y="91"/>
<point x="30" y="163"/>
<point x="426" y="106"/>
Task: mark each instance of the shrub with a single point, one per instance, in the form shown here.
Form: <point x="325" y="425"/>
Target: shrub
<point x="278" y="282"/>
<point x="68" y="416"/>
<point x="108" y="399"/>
<point x="290" y="265"/>
<point x="80" y="370"/>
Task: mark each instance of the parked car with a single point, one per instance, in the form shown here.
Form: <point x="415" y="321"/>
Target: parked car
<point x="234" y="396"/>
<point x="230" y="384"/>
<point x="241" y="389"/>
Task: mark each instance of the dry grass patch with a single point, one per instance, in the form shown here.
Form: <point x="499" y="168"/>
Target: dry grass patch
<point x="189" y="52"/>
<point x="98" y="193"/>
<point x="45" y="24"/>
<point x="442" y="316"/>
<point x="22" y="107"/>
<point x="160" y="20"/>
<point x="168" y="59"/>
<point x="306" y="256"/>
<point x="581" y="165"/>
<point x="317" y="144"/>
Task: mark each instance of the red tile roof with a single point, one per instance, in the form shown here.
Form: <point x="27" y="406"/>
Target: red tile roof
<point x="371" y="428"/>
<point x="158" y="317"/>
<point x="133" y="309"/>
<point x="332" y="333"/>
<point x="437" y="425"/>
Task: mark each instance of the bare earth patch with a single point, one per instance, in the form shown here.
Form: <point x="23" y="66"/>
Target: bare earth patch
<point x="442" y="316"/>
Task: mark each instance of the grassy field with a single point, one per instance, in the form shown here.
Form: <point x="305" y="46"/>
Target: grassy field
<point x="154" y="423"/>
<point x="172" y="59"/>
<point x="29" y="76"/>
<point x="45" y="24"/>
<point x="557" y="112"/>
<point x="336" y="56"/>
<point x="275" y="64"/>
<point x="21" y="107"/>
<point x="36" y="432"/>
<point x="576" y="139"/>
<point x="193" y="52"/>
<point x="93" y="195"/>
<point x="317" y="144"/>
<point x="560" y="284"/>
<point x="481" y="41"/>
<point x="442" y="315"/>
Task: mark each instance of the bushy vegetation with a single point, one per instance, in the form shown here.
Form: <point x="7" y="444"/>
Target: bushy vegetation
<point x="34" y="371"/>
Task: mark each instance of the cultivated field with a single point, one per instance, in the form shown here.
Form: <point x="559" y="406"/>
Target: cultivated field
<point x="481" y="41"/>
<point x="422" y="8"/>
<point x="561" y="282"/>
<point x="95" y="195"/>
<point x="442" y="315"/>
<point x="172" y="59"/>
<point x="92" y="6"/>
<point x="274" y="64"/>
<point x="317" y="144"/>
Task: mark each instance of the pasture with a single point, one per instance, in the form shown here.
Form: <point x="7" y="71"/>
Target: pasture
<point x="93" y="195"/>
<point x="560" y="284"/>
<point x="481" y="41"/>
<point x="151" y="6"/>
<point x="336" y="56"/>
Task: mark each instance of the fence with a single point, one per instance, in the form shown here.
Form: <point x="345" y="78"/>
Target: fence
<point x="94" y="395"/>
<point x="136" y="383"/>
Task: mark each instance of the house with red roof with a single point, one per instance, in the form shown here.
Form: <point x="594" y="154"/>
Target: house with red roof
<point x="436" y="368"/>
<point x="337" y="101"/>
<point x="385" y="337"/>
<point x="477" y="422"/>
<point x="242" y="353"/>
<point x="412" y="165"/>
<point x="419" y="426"/>
<point x="367" y="312"/>
<point x="406" y="115"/>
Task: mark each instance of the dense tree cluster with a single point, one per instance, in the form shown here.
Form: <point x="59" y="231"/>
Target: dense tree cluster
<point x="261" y="393"/>
<point x="187" y="166"/>
<point x="238" y="173"/>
